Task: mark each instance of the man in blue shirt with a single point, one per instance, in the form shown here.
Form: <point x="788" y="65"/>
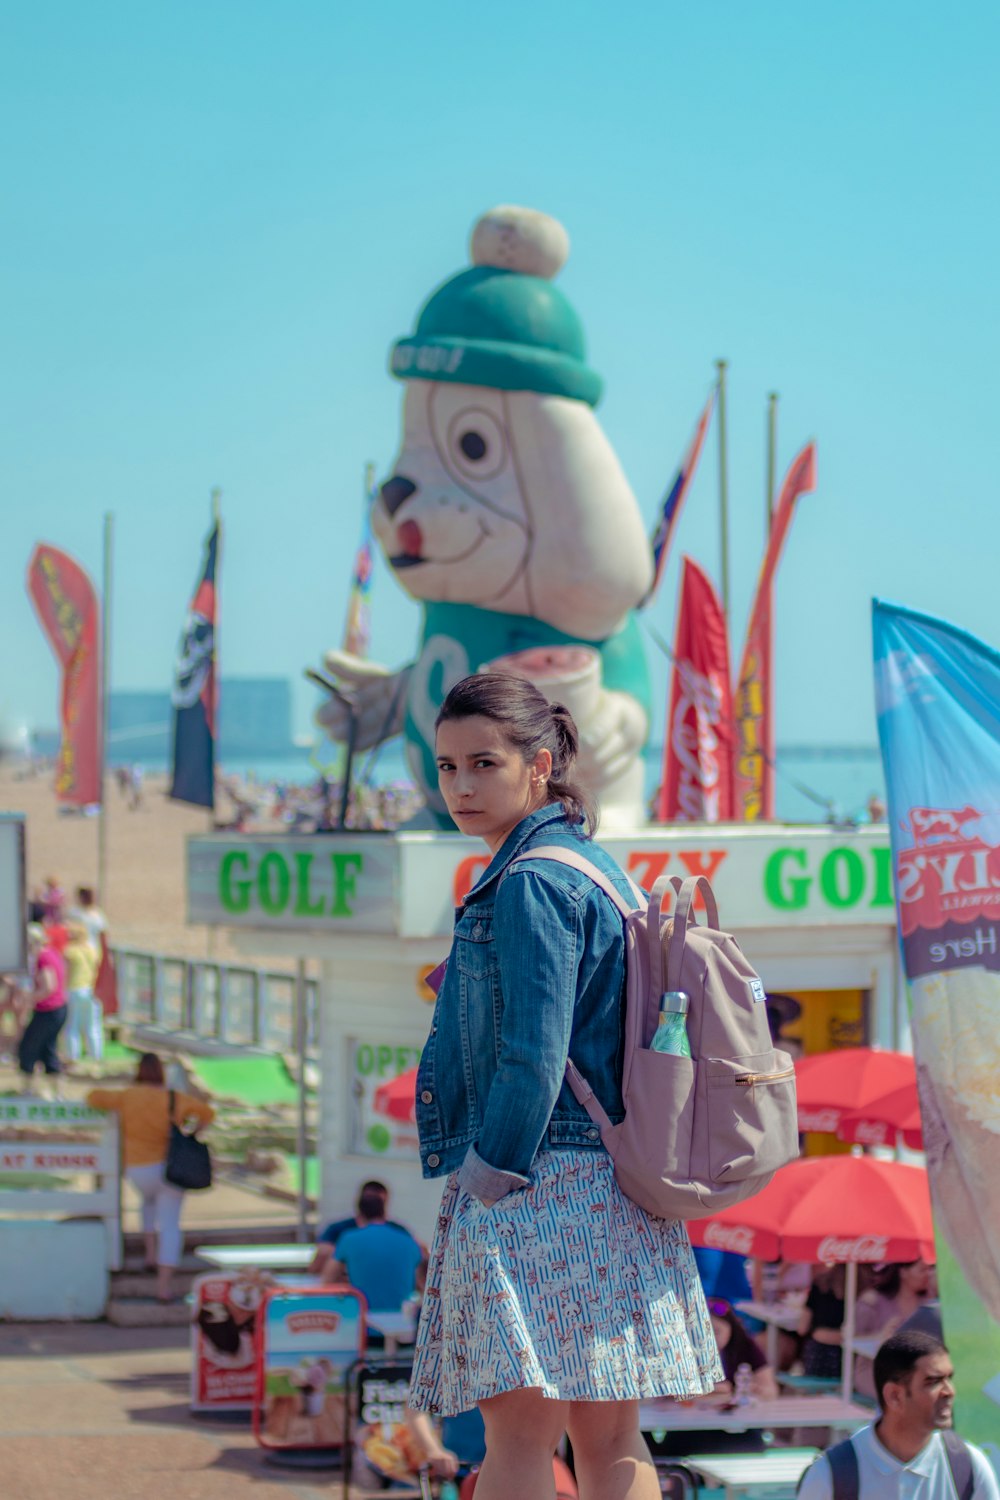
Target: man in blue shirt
<point x="381" y="1260"/>
<point x="327" y="1241"/>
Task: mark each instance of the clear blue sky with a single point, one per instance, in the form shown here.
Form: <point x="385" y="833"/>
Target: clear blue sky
<point x="218" y="216"/>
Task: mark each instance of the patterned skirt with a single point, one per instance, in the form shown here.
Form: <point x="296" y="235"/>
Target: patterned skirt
<point x="565" y="1284"/>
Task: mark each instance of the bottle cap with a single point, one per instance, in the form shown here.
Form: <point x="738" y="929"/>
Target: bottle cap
<point x="675" y="1001"/>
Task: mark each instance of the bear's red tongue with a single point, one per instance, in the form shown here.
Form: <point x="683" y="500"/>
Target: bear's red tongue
<point x="409" y="540"/>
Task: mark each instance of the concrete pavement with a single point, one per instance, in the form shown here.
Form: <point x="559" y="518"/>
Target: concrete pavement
<point x="88" y="1412"/>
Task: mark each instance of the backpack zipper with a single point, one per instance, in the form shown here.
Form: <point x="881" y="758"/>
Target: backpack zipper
<point x="750" y="1080"/>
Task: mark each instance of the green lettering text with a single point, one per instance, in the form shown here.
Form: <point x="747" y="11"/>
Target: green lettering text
<point x="345" y="869"/>
<point x="274" y="883"/>
<point x="303" y="906"/>
<point x="788" y="892"/>
<point x="234" y="894"/>
<point x="882" y="861"/>
<point x="842" y="877"/>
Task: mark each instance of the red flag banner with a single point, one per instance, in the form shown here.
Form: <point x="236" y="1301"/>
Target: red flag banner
<point x="67" y="606"/>
<point x="754" y="774"/>
<point x="697" y="784"/>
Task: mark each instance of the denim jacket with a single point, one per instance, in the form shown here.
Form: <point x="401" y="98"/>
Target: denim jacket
<point x="536" y="973"/>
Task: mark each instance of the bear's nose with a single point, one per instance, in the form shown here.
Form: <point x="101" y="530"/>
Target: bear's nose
<point x="395" y="491"/>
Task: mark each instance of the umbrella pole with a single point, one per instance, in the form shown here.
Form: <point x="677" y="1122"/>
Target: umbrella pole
<point x="847" y="1356"/>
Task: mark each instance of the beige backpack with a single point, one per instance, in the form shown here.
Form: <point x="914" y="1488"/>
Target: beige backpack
<point x="704" y="1131"/>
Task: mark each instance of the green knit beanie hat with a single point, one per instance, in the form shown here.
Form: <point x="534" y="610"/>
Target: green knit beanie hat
<point x="502" y="323"/>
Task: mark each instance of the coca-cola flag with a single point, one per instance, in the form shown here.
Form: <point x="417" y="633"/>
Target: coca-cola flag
<point x="938" y="702"/>
<point x="697" y="784"/>
<point x="67" y="606"/>
<point x="754" y="706"/>
<point x="194" y="696"/>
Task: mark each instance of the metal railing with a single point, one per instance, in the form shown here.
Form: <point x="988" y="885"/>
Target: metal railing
<point x="231" y="1005"/>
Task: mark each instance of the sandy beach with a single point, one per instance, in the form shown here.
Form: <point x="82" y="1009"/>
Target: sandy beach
<point x="144" y="900"/>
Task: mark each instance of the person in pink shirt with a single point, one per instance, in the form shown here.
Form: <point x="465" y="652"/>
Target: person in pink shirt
<point x="38" y="1043"/>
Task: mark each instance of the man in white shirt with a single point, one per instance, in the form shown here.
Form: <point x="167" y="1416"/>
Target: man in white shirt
<point x="904" y="1454"/>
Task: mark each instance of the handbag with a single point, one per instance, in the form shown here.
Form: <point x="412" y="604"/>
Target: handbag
<point x="189" y="1163"/>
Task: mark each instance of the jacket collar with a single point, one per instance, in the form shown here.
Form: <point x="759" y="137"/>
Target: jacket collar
<point x="516" y="840"/>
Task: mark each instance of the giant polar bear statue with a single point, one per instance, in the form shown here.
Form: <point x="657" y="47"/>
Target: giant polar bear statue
<point x="508" y="515"/>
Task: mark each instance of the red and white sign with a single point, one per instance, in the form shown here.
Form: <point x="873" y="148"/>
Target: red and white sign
<point x="223" y="1340"/>
<point x="34" y="1158"/>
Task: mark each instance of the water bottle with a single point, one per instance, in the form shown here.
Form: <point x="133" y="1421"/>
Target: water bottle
<point x="741" y="1385"/>
<point x="671" y="1034"/>
<point x="448" y="1490"/>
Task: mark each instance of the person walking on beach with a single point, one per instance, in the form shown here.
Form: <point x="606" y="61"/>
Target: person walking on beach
<point x="49" y="999"/>
<point x="144" y="1110"/>
<point x="910" y="1450"/>
<point x="552" y="1301"/>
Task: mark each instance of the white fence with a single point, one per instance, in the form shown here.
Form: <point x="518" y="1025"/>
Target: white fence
<point x="229" y="1005"/>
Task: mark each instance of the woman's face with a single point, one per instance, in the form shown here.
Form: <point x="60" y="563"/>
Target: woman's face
<point x="916" y="1278"/>
<point x="487" y="785"/>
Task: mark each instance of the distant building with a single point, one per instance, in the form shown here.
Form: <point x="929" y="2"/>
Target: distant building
<point x="255" y="719"/>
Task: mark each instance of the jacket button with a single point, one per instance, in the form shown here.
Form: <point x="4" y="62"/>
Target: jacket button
<point x="433" y="1161"/>
<point x="477" y="931"/>
<point x="427" y="1097"/>
<point x="434" y="1031"/>
<point x="593" y="1135"/>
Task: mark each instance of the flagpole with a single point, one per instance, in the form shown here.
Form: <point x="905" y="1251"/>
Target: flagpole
<point x="216" y="497"/>
<point x="721" y="366"/>
<point x="772" y="450"/>
<point x="102" y="817"/>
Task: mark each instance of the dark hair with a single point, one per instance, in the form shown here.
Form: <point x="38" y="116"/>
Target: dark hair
<point x="889" y="1279"/>
<point x="374" y="1186"/>
<point x="85" y="895"/>
<point x="371" y="1203"/>
<point x="530" y="723"/>
<point x="149" y="1069"/>
<point x="897" y="1358"/>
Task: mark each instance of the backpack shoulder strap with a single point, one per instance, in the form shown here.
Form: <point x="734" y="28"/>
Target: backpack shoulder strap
<point x="843" y="1461"/>
<point x="580" y="862"/>
<point x="581" y="1089"/>
<point x="960" y="1463"/>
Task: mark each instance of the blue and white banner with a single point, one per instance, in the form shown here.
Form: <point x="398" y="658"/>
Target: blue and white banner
<point x="938" y="704"/>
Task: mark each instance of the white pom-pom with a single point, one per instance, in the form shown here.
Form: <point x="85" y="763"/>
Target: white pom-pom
<point x="520" y="239"/>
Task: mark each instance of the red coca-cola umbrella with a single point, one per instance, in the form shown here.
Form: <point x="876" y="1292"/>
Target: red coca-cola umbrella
<point x="834" y="1209"/>
<point x="397" y="1099"/>
<point x="881" y="1121"/>
<point x="829" y="1083"/>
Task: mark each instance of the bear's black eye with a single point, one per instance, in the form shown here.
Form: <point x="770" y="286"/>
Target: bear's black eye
<point x="473" y="445"/>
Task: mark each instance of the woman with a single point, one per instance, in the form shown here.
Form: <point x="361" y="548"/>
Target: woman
<point x="144" y="1110"/>
<point x="86" y="1022"/>
<point x="736" y="1349"/>
<point x="821" y="1325"/>
<point x="899" y="1290"/>
<point x="38" y="1041"/>
<point x="552" y="1301"/>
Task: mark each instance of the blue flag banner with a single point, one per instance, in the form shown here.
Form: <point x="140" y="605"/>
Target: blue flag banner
<point x="938" y="704"/>
<point x="194" y="693"/>
<point x="673" y="500"/>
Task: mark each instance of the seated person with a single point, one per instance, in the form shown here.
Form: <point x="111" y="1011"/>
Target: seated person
<point x="822" y="1323"/>
<point x="899" y="1290"/>
<point x="379" y="1259"/>
<point x="462" y="1447"/>
<point x="736" y="1348"/>
<point x="327" y="1242"/>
